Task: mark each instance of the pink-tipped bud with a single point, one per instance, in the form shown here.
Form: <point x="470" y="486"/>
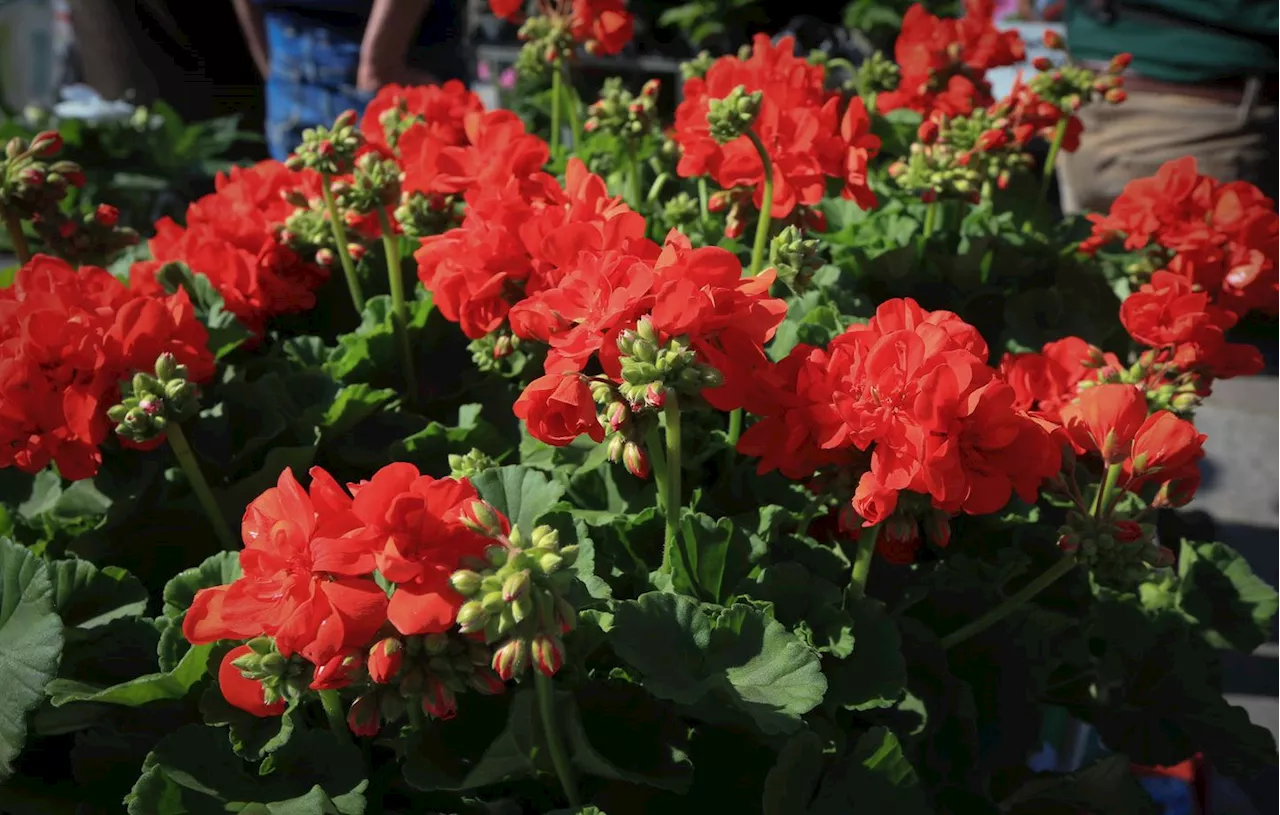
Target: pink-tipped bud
<point x="1120" y="62"/>
<point x="617" y="415"/>
<point x="385" y="658"/>
<point x="1115" y="96"/>
<point x="1042" y="63"/>
<point x="635" y="459"/>
<point x="1054" y="40"/>
<point x="32" y="177"/>
<point x="106" y="215"/>
<point x="364" y="717"/>
<point x="325" y="257"/>
<point x="548" y="654"/>
<point x="356" y="251"/>
<point x="438" y="700"/>
<point x="337" y="672"/>
<point x="651" y="88"/>
<point x="510" y="659"/>
<point x="655" y="395"/>
<point x="47" y="143"/>
<point x="485" y="681"/>
<point x="481" y="517"/>
<point x="927" y="132"/>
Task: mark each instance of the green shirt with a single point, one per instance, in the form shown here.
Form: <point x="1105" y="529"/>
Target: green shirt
<point x="1178" y="40"/>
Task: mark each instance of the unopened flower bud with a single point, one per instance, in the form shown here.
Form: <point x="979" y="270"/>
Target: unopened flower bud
<point x="635" y="459"/>
<point x="617" y="415"/>
<point x="1052" y="39"/>
<point x="617" y="444"/>
<point x="483" y="519"/>
<point x="485" y="681"/>
<point x="510" y="659"/>
<point x="47" y="143"/>
<point x="471" y="617"/>
<point x="364" y="717"/>
<point x="655" y="395"/>
<point x="547" y="654"/>
<point x="1042" y="64"/>
<point x="465" y="582"/>
<point x="324" y="257"/>
<point x="385" y="659"/>
<point x="438" y="701"/>
<point x="515" y="586"/>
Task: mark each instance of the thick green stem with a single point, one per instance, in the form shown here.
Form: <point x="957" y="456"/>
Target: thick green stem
<point x="332" y="703"/>
<point x="766" y="208"/>
<point x="658" y="464"/>
<point x="704" y="199"/>
<point x="570" y="97"/>
<point x="340" y="236"/>
<point x="1010" y="604"/>
<point x="399" y="311"/>
<point x="633" y="178"/>
<point x="417" y="719"/>
<point x="735" y="427"/>
<point x="555" y="744"/>
<point x="1059" y="132"/>
<point x="19" y="240"/>
<point x="671" y="511"/>
<point x="1103" y="502"/>
<point x="191" y="467"/>
<point x="862" y="559"/>
<point x="555" y="111"/>
<point x="930" y="218"/>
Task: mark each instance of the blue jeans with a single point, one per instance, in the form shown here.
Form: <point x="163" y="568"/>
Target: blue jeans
<point x="312" y="79"/>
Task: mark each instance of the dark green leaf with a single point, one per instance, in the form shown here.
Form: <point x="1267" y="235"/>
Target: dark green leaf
<point x="1105" y="787"/>
<point x="30" y="645"/>
<point x="710" y="558"/>
<point x="430" y="447"/>
<point x="1233" y="606"/>
<point x="252" y="737"/>
<point x="874" y="675"/>
<point x="153" y="687"/>
<point x="86" y="596"/>
<point x="226" y="333"/>
<point x="216" y="570"/>
<point x="521" y="494"/>
<point x="352" y="405"/>
<point x="689" y="652"/>
<point x="874" y="777"/>
<point x="790" y="785"/>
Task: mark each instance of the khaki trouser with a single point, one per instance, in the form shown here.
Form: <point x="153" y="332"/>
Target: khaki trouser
<point x="1131" y="140"/>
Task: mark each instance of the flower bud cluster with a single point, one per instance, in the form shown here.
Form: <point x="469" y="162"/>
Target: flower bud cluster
<point x="738" y="208"/>
<point x="698" y="66"/>
<point x="1119" y="553"/>
<point x="471" y="464"/>
<point x="495" y="352"/>
<point x="794" y="257"/>
<point x="421" y="216"/>
<point x="621" y="114"/>
<point x="680" y="211"/>
<point x="732" y="116"/>
<point x="903" y="534"/>
<point x="427" y="672"/>
<point x="961" y="157"/>
<point x="396" y="119"/>
<point x="1166" y="386"/>
<point x="329" y="150"/>
<point x="547" y="42"/>
<point x="307" y="232"/>
<point x="876" y="74"/>
<point x="651" y="367"/>
<point x="282" y="678"/>
<point x="517" y="599"/>
<point x="374" y="185"/>
<point x="1067" y="86"/>
<point x="153" y="402"/>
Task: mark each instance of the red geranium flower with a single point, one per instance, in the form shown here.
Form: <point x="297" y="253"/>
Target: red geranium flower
<point x="246" y="694"/>
<point x="557" y="408"/>
<point x="1104" y="419"/>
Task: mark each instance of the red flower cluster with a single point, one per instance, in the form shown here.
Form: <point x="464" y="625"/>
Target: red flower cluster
<point x="1221" y="237"/>
<point x="1045" y="382"/>
<point x="518" y="235"/>
<point x="912" y="387"/>
<point x="696" y="294"/>
<point x="800" y="125"/>
<point x="67" y="340"/>
<point x="603" y="26"/>
<point x="943" y="62"/>
<point x="231" y="237"/>
<point x="309" y="560"/>
<point x="440" y="110"/>
<point x="485" y="152"/>
<point x="1112" y="422"/>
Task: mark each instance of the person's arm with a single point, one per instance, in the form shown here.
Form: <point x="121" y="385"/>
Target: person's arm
<point x="383" y="51"/>
<point x="250" y="16"/>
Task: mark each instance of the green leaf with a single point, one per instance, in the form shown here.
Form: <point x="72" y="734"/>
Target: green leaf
<point x="521" y="494"/>
<point x="806" y="603"/>
<point x="86" y="596"/>
<point x="1105" y="787"/>
<point x="874" y="675"/>
<point x="371" y="348"/>
<point x="711" y="557"/>
<point x="790" y="785"/>
<point x="430" y="447"/>
<point x="1233" y="607"/>
<point x="692" y="653"/>
<point x="252" y="738"/>
<point x="136" y="692"/>
<point x="226" y="333"/>
<point x="874" y="777"/>
<point x="352" y="405"/>
<point x="317" y="773"/>
<point x="30" y="645"/>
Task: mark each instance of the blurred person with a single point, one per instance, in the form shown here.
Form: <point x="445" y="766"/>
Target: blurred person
<point x="321" y="57"/>
<point x="1202" y="83"/>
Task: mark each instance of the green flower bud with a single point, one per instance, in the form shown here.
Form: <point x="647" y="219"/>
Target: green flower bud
<point x="465" y="582"/>
<point x="493" y="603"/>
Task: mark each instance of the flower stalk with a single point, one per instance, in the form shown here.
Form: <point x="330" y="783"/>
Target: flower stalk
<point x="1010" y="604"/>
<point x="399" y="311"/>
<point x="862" y="559"/>
<point x="332" y="704"/>
<point x="766" y="208"/>
<point x="340" y="236"/>
<point x="14" y="225"/>
<point x="191" y="467"/>
<point x="556" y="82"/>
<point x="658" y="458"/>
<point x="545" y="687"/>
<point x="1059" y="133"/>
<point x="671" y="510"/>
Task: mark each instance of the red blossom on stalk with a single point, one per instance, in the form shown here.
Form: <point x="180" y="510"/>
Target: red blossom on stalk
<point x="801" y="125"/>
<point x="68" y="338"/>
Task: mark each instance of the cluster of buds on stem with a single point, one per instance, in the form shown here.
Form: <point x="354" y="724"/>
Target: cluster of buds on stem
<point x="794" y="257"/>
<point x="496" y="351"/>
<point x="517" y="597"/>
<point x="1119" y="552"/>
<point x="151" y="403"/>
<point x="306" y="231"/>
<point x="620" y="113"/>
<point x="1157" y="374"/>
<point x="548" y="41"/>
<point x="329" y="151"/>
<point x="427" y="672"/>
<point x="627" y="424"/>
<point x="421" y="215"/>
<point x="737" y="205"/>
<point x="282" y="678"/>
<point x="680" y="211"/>
<point x="961" y="157"/>
<point x="903" y="534"/>
<point x="876" y="74"/>
<point x="396" y="119"/>
<point x="733" y="116"/>
<point x="698" y="66"/>
<point x="651" y="367"/>
<point x="374" y="186"/>
<point x="471" y="464"/>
